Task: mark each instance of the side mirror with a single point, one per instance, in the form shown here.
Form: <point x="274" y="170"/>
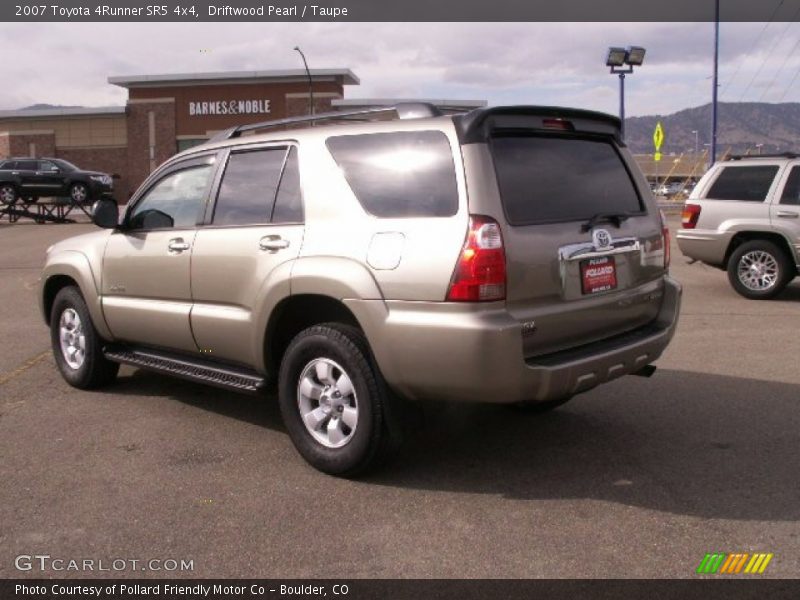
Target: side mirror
<point x="105" y="213"/>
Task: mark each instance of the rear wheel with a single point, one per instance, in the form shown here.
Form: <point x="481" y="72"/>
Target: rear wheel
<point x="535" y="408"/>
<point x="8" y="194"/>
<point x="759" y="270"/>
<point x="77" y="347"/>
<point x="337" y="408"/>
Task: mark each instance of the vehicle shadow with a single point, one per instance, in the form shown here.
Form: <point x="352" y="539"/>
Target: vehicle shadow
<point x="688" y="443"/>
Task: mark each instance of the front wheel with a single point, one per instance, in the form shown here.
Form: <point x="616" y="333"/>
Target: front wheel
<point x="77" y="348"/>
<point x="759" y="270"/>
<point x="79" y="193"/>
<point x="335" y="404"/>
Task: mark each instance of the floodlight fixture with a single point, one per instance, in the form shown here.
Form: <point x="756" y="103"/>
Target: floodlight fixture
<point x="616" y="57"/>
<point x="635" y="56"/>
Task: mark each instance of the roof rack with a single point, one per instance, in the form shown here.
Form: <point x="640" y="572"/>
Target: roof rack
<point x="404" y="110"/>
<point x="778" y="155"/>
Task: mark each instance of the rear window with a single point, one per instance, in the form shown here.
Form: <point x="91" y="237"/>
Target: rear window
<point x="399" y="174"/>
<point x="548" y="179"/>
<point x="747" y="184"/>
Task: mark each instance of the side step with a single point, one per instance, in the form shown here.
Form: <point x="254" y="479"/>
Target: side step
<point x="208" y="372"/>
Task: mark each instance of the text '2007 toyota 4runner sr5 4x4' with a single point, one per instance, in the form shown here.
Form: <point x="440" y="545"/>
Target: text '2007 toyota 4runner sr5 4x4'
<point x="506" y="255"/>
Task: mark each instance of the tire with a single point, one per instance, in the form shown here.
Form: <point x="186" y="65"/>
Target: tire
<point x="369" y="430"/>
<point x="8" y="194"/>
<point x="79" y="193"/>
<point x="537" y="408"/>
<point x="79" y="357"/>
<point x="759" y="270"/>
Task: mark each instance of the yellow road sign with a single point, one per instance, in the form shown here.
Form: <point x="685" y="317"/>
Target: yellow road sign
<point x="658" y="136"/>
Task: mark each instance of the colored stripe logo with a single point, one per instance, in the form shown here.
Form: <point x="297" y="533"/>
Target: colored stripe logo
<point x="719" y="563"/>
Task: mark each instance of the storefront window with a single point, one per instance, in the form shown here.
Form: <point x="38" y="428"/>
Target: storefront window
<point x="190" y="143"/>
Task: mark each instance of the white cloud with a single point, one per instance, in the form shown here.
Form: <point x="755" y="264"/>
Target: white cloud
<point x="547" y="63"/>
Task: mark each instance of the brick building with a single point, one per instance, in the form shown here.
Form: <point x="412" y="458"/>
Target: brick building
<point x="164" y="114"/>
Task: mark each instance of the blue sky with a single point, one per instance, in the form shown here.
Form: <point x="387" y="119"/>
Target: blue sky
<point x="504" y="63"/>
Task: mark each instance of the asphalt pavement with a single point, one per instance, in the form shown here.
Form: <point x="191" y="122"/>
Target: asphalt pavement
<point x="637" y="478"/>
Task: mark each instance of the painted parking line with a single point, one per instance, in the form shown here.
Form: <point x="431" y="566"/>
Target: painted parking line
<point x="31" y="362"/>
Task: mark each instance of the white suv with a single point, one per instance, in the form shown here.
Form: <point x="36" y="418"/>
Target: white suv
<point x="744" y="216"/>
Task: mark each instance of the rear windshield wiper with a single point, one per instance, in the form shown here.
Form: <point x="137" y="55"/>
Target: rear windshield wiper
<point x="614" y="218"/>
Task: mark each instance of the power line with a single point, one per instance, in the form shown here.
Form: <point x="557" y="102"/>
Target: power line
<point x="753" y="45"/>
<point x="778" y="72"/>
<point x="769" y="54"/>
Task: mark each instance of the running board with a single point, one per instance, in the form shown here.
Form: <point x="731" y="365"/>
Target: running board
<point x="232" y="378"/>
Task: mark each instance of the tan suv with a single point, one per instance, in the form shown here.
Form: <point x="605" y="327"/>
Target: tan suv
<point x="507" y="255"/>
<point x="744" y="216"/>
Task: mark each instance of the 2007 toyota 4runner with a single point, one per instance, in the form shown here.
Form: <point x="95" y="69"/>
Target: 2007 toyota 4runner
<point x="506" y="255"/>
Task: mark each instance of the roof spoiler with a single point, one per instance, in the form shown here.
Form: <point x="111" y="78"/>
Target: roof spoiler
<point x="477" y="126"/>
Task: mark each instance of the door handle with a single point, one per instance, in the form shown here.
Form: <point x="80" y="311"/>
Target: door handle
<point x="178" y="245"/>
<point x="787" y="214"/>
<point x="273" y="243"/>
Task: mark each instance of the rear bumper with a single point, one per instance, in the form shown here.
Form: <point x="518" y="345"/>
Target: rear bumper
<point x="440" y="351"/>
<point x="706" y="246"/>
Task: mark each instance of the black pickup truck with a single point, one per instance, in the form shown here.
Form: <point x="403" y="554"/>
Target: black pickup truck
<point x="31" y="178"/>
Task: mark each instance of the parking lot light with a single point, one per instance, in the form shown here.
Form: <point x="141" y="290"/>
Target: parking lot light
<point x="632" y="56"/>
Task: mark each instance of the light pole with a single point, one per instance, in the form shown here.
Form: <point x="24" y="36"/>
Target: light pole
<point x="310" y="85"/>
<point x="632" y="56"/>
<point x="715" y="86"/>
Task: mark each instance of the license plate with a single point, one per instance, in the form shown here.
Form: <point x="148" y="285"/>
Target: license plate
<point x="598" y="275"/>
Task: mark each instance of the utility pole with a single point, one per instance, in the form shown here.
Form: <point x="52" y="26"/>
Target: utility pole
<point x="715" y="85"/>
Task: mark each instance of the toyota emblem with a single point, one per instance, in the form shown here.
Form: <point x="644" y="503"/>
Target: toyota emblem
<point x="601" y="239"/>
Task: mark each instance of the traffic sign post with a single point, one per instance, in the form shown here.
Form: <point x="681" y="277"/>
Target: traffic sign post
<point x="658" y="139"/>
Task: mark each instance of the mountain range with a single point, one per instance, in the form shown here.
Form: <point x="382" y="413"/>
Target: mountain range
<point x="741" y="128"/>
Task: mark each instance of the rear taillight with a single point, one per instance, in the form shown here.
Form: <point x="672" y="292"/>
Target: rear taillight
<point x="690" y="215"/>
<point x="665" y="239"/>
<point x="480" y="274"/>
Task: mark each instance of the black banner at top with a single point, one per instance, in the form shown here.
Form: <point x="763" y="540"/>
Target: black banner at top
<point x="163" y="11"/>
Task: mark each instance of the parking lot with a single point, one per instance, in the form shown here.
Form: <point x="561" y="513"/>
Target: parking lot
<point x="638" y="478"/>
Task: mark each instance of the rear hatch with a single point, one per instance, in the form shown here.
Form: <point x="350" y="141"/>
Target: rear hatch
<point x="584" y="240"/>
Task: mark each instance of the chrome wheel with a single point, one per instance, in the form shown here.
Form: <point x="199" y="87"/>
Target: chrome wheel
<point x="73" y="340"/>
<point x="8" y="194"/>
<point x="327" y="402"/>
<point x="78" y="193"/>
<point x="758" y="270"/>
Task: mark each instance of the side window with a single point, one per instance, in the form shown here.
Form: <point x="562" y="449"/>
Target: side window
<point x="27" y="165"/>
<point x="47" y="166"/>
<point x="8" y="164"/>
<point x="289" y="204"/>
<point x="247" y="192"/>
<point x="175" y="201"/>
<point x="748" y="184"/>
<point x="791" y="192"/>
<point x="399" y="174"/>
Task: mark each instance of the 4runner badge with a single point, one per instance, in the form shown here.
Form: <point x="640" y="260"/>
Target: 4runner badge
<point x="601" y="239"/>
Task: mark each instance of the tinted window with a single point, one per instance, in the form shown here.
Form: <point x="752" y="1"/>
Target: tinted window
<point x="743" y="183"/>
<point x="46" y="165"/>
<point x="402" y="174"/>
<point x="289" y="204"/>
<point x="248" y="187"/>
<point x="791" y="192"/>
<point x="545" y="179"/>
<point x="175" y="201"/>
<point x="8" y="164"/>
<point x="27" y="165"/>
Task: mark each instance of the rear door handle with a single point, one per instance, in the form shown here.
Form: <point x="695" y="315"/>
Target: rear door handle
<point x="787" y="214"/>
<point x="178" y="245"/>
<point x="273" y="243"/>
